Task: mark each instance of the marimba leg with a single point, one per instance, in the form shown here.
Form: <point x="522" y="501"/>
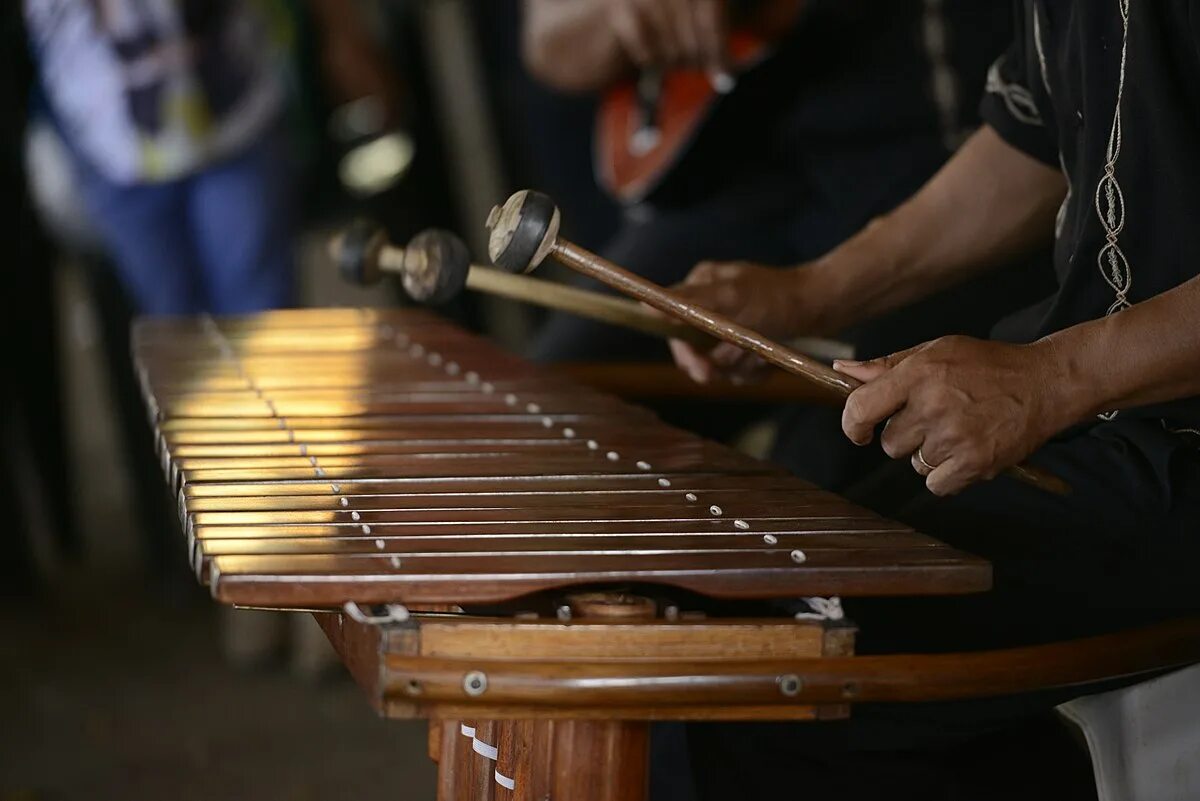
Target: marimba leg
<point x="508" y="736"/>
<point x="600" y="760"/>
<point x="456" y="763"/>
<point x="565" y="760"/>
<point x="483" y="765"/>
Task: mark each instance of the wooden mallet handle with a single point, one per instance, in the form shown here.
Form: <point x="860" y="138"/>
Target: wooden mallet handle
<point x="582" y="302"/>
<point x="524" y="231"/>
<point x="612" y="309"/>
<point x="435" y="267"/>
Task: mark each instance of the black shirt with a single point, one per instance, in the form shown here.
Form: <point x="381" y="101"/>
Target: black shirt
<point x="1109" y="92"/>
<point x="853" y="77"/>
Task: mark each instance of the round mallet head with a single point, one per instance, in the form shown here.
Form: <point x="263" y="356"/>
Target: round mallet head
<point x="355" y="250"/>
<point x="523" y="231"/>
<point x="436" y="264"/>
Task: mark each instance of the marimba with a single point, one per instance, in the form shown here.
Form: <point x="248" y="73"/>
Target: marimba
<point x="537" y="568"/>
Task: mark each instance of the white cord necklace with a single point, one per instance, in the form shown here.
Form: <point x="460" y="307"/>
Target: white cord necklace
<point x="1110" y="200"/>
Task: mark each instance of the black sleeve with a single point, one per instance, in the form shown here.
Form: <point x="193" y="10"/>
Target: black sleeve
<point x="1015" y="101"/>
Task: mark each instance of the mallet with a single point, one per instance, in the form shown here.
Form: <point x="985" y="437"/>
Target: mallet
<point x="524" y="231"/>
<point x="436" y="266"/>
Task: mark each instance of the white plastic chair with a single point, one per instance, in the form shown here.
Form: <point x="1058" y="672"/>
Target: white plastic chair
<point x="1145" y="739"/>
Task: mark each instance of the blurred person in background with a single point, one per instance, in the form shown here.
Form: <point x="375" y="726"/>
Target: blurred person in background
<point x="164" y="146"/>
<point x="172" y="112"/>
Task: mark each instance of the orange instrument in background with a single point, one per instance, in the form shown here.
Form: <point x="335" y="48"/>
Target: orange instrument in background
<point x="646" y="124"/>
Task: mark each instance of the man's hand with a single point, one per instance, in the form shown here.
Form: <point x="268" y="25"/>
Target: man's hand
<point x="670" y="33"/>
<point x="966" y="408"/>
<point x="354" y="65"/>
<point x="780" y="303"/>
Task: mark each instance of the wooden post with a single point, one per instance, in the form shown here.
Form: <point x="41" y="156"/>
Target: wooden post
<point x="575" y="760"/>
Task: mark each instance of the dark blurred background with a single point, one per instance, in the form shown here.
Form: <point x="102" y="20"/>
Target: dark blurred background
<point x="119" y="679"/>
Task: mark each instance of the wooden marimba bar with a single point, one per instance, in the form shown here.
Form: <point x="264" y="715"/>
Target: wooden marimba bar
<point x="529" y="564"/>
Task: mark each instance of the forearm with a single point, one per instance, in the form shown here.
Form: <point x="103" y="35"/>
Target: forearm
<point x="989" y="204"/>
<point x="568" y="44"/>
<point x="338" y="24"/>
<point x="1148" y="353"/>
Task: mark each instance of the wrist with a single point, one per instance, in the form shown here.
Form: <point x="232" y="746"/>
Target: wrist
<point x="855" y="281"/>
<point x="812" y="301"/>
<point x="1075" y="389"/>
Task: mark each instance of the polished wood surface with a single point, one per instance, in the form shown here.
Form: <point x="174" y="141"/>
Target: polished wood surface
<point x="578" y="677"/>
<point x="327" y="456"/>
<point x="333" y="460"/>
<point x="539" y="759"/>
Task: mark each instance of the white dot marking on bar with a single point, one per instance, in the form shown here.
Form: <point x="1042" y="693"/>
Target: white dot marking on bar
<point x="715" y="510"/>
<point x="613" y="456"/>
<point x="380" y="544"/>
<point x="742" y="524"/>
<point x="643" y="465"/>
<point x="366" y="529"/>
<point x="799" y="557"/>
<point x="770" y="539"/>
<point x="663" y="482"/>
<point x="690" y="497"/>
<point x="355" y="516"/>
<point x="569" y="433"/>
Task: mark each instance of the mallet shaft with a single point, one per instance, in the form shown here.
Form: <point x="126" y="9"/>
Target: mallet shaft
<point x="714" y="324"/>
<point x="612" y="309"/>
<point x="583" y="302"/>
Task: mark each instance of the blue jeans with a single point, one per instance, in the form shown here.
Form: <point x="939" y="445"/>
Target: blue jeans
<point x="217" y="241"/>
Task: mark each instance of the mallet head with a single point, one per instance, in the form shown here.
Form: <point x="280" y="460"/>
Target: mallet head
<point x="436" y="264"/>
<point x="523" y="231"/>
<point x="356" y="249"/>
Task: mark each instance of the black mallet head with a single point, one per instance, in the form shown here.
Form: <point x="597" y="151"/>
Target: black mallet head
<point x="356" y="250"/>
<point x="432" y="269"/>
<point x="436" y="264"/>
<point x="523" y="231"/>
